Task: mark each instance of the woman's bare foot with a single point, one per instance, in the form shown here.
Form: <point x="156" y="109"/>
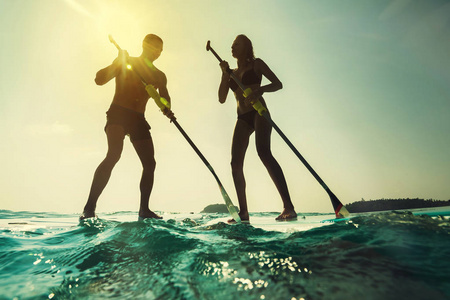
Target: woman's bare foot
<point x="287" y="215"/>
<point x="244" y="219"/>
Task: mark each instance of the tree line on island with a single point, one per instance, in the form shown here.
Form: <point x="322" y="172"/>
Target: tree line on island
<point x="393" y="204"/>
<point x="217" y="208"/>
<point x="363" y="205"/>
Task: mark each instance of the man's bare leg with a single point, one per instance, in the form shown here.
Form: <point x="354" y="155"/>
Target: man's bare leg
<point x="115" y="135"/>
<point x="146" y="153"/>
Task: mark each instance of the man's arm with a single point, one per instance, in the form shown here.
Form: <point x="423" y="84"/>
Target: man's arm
<point x="111" y="71"/>
<point x="106" y="74"/>
<point x="164" y="93"/>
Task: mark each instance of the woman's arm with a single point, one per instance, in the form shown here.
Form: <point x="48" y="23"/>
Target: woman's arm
<point x="224" y="83"/>
<point x="274" y="85"/>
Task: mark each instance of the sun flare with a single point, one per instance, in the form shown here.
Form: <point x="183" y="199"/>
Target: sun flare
<point x="114" y="18"/>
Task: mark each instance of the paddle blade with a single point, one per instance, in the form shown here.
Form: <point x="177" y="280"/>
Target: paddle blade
<point x="339" y="208"/>
<point x="231" y="209"/>
<point x="342" y="212"/>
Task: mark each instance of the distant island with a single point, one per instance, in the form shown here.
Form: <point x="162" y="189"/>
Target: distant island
<point x="216" y="208"/>
<point x="393" y="204"/>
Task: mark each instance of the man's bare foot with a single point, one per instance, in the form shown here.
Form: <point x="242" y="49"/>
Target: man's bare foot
<point x="88" y="214"/>
<point x="233" y="221"/>
<point x="148" y="214"/>
<point x="287" y="215"/>
<point x="244" y="219"/>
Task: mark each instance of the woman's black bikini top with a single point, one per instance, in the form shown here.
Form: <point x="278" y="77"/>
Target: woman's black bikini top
<point x="248" y="78"/>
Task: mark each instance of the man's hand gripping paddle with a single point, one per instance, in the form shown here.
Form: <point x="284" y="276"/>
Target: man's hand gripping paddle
<point x="163" y="104"/>
<point x="339" y="208"/>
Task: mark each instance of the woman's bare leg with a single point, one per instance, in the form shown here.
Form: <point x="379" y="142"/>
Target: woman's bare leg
<point x="239" y="147"/>
<point x="263" y="130"/>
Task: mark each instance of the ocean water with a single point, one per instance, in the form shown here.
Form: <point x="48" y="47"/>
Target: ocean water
<point x="393" y="255"/>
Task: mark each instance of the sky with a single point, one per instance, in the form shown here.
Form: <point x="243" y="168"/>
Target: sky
<point x="365" y="99"/>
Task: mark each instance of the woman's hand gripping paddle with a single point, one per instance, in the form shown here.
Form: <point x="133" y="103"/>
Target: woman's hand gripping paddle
<point x="257" y="105"/>
<point x="339" y="208"/>
<point x="164" y="104"/>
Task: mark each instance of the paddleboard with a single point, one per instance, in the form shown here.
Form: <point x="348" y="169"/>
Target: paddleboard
<point x="443" y="211"/>
<point x="304" y="222"/>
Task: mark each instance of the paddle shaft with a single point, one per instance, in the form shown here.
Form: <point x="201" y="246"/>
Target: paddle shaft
<point x="337" y="205"/>
<point x="226" y="198"/>
<point x="339" y="208"/>
<point x="228" y="202"/>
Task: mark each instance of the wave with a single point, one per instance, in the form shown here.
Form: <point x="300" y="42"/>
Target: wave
<point x="389" y="256"/>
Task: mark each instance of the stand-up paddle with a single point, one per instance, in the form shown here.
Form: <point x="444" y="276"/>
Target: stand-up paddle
<point x="339" y="208"/>
<point x="163" y="104"/>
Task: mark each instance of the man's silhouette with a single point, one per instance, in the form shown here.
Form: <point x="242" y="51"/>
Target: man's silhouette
<point x="126" y="117"/>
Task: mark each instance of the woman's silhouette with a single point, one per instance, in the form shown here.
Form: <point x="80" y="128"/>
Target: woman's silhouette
<point x="250" y="71"/>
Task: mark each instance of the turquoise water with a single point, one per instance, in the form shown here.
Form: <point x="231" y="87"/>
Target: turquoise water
<point x="198" y="256"/>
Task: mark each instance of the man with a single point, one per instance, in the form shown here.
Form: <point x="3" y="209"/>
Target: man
<point x="126" y="117"/>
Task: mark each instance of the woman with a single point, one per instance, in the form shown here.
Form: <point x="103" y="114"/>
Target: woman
<point x="250" y="71"/>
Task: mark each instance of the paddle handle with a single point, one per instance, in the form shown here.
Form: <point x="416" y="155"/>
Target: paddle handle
<point x="111" y="39"/>
<point x="209" y="48"/>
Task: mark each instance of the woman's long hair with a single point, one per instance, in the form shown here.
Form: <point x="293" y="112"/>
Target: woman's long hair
<point x="249" y="55"/>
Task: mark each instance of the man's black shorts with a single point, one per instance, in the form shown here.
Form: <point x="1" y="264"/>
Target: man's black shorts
<point x="133" y="122"/>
